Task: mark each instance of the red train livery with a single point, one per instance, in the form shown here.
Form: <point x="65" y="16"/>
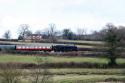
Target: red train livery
<point x="33" y="48"/>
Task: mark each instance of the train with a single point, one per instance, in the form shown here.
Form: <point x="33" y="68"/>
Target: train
<point x="55" y="48"/>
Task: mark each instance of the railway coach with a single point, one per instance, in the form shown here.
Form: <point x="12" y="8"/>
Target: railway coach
<point x="33" y="48"/>
<point x="7" y="47"/>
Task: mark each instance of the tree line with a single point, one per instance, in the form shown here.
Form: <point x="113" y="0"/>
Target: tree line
<point x="53" y="34"/>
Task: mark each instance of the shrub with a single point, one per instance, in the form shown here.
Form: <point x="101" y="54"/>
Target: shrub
<point x="10" y="74"/>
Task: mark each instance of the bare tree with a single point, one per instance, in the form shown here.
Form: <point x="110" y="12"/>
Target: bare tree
<point x="81" y="32"/>
<point x="52" y="32"/>
<point x="42" y="74"/>
<point x="24" y="31"/>
<point x="7" y="34"/>
<point x="10" y="73"/>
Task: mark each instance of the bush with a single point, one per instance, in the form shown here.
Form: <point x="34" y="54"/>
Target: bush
<point x="10" y="74"/>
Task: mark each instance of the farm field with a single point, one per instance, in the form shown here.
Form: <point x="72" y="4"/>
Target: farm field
<point x="54" y="59"/>
<point x="65" y="41"/>
<point x="70" y="74"/>
<point x="80" y="75"/>
<point x="83" y="79"/>
<point x="80" y="41"/>
<point x="87" y="78"/>
<point x="82" y="71"/>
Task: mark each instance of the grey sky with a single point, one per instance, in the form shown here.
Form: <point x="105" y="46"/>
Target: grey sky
<point x="88" y="14"/>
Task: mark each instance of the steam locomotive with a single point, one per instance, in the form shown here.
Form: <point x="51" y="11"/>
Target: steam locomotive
<point x="55" y="48"/>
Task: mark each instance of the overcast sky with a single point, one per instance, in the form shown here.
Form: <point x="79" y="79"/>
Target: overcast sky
<point x="88" y="14"/>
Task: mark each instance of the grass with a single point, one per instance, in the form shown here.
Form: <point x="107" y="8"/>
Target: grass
<point x="54" y="59"/>
<point x="31" y="59"/>
<point x="69" y="75"/>
<point x="82" y="71"/>
<point x="72" y="76"/>
<point x="86" y="78"/>
<point x="80" y="78"/>
<point x="81" y="41"/>
<point x="13" y="58"/>
<point x="87" y="71"/>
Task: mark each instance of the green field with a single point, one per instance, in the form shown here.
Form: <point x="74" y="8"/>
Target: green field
<point x="82" y="71"/>
<point x="83" y="79"/>
<point x="86" y="78"/>
<point x="70" y="75"/>
<point x="80" y="41"/>
<point x="79" y="75"/>
<point x="54" y="59"/>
